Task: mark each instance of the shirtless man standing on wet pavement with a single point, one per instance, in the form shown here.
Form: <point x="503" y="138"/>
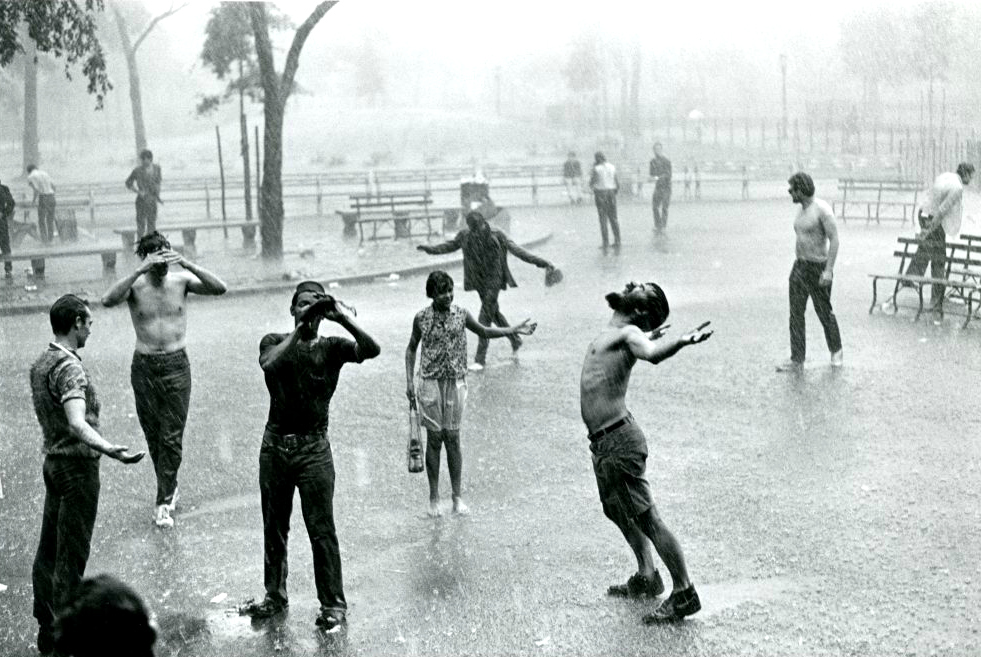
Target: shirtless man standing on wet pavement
<point x="812" y="273"/>
<point x="619" y="447"/>
<point x="161" y="373"/>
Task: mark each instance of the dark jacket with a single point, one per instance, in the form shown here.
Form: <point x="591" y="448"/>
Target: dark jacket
<point x="485" y="258"/>
<point x="6" y="202"/>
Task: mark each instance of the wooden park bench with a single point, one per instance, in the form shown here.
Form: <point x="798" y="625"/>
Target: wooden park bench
<point x="189" y="232"/>
<point x="400" y="209"/>
<point x="878" y="199"/>
<point x="962" y="275"/>
<point x="38" y="257"/>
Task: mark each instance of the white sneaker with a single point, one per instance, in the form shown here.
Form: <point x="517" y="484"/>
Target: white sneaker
<point x="163" y="519"/>
<point x="476" y="367"/>
<point x="837" y="359"/>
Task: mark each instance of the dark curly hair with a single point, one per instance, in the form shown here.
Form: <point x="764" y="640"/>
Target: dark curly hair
<point x="653" y="306"/>
<point x="803" y="183"/>
<point x="107" y="618"/>
<point x="151" y="243"/>
<point x="438" y="281"/>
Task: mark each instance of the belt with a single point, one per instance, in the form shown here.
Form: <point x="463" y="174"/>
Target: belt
<point x="294" y="440"/>
<point x="596" y="435"/>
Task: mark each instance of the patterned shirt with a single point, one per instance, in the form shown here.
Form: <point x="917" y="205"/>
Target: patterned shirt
<point x="57" y="376"/>
<point x="444" y="343"/>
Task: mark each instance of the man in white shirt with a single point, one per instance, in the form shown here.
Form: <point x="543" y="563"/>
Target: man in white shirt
<point x="605" y="186"/>
<point x="44" y="196"/>
<point x="940" y="216"/>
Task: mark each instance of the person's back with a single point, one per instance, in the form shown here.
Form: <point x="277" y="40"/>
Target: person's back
<point x="604" y="176"/>
<point x="40" y="181"/>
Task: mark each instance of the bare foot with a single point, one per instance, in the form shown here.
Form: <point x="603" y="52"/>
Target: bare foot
<point x="459" y="507"/>
<point x="434" y="510"/>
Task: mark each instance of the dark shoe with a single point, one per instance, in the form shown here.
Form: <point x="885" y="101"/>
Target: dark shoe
<point x="331" y="620"/>
<point x="678" y="605"/>
<point x="265" y="609"/>
<point x="638" y="586"/>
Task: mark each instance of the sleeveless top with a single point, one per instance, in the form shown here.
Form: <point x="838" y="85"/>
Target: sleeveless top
<point x="444" y="343"/>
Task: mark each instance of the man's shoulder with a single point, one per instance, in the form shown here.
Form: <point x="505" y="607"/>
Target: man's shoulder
<point x="272" y="339"/>
<point x="823" y="207"/>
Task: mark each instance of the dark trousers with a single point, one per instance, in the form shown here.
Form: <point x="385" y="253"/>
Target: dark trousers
<point x="661" y="200"/>
<point x="71" y="501"/>
<point x="5" y="241"/>
<point x="287" y="463"/>
<point x="162" y="388"/>
<point x="606" y="207"/>
<point x="46" y="216"/>
<point x="146" y="216"/>
<point x="490" y="314"/>
<point x="805" y="280"/>
<point x="932" y="249"/>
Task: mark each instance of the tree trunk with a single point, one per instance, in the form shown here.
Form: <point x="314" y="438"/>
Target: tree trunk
<point x="135" y="97"/>
<point x="247" y="172"/>
<point x="635" y="91"/>
<point x="31" y="149"/>
<point x="271" y="208"/>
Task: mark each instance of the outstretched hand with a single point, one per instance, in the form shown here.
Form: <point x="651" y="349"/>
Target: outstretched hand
<point x="121" y="454"/>
<point x="697" y="335"/>
<point x="526" y="327"/>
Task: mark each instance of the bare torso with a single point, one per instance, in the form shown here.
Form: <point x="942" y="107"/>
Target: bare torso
<point x="604" y="379"/>
<point x="812" y="238"/>
<point x="159" y="312"/>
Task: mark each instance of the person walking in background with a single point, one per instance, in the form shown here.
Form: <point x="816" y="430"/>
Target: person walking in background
<point x="301" y="370"/>
<point x="145" y="181"/>
<point x="572" y="177"/>
<point x="605" y="185"/>
<point x="660" y="173"/>
<point x="7" y="205"/>
<point x="485" y="270"/>
<point x="44" y="198"/>
<point x="67" y="408"/>
<point x="812" y="273"/>
<point x="943" y="212"/>
<point x="441" y="329"/>
<point x="161" y="372"/>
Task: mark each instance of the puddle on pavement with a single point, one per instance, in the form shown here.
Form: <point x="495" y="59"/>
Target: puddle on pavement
<point x="728" y="595"/>
<point x="221" y="505"/>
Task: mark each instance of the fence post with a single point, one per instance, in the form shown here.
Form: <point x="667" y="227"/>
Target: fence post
<point x="320" y="199"/>
<point x="534" y="188"/>
<point x="91" y="206"/>
<point x="207" y="201"/>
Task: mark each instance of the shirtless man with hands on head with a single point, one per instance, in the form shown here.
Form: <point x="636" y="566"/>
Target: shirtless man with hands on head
<point x="161" y="373"/>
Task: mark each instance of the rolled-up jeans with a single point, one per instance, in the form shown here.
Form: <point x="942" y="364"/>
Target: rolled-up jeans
<point x="303" y="462"/>
<point x="162" y="388"/>
<point x="71" y="501"/>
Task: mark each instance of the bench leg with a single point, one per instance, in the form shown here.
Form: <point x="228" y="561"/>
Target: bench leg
<point x="919" y="311"/>
<point x="109" y="264"/>
<point x="189" y="236"/>
<point x="970" y="310"/>
<point x="37" y="267"/>
<point x="872" y="307"/>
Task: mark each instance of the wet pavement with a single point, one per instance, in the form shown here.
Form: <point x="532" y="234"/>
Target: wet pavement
<point x="830" y="513"/>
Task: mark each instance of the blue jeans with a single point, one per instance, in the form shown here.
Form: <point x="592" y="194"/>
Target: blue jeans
<point x="287" y="463"/>
<point x="490" y="315"/>
<point x="606" y="208"/>
<point x="162" y="388"/>
<point x="71" y="501"/>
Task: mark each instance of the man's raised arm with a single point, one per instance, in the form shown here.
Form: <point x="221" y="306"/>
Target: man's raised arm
<point x="120" y="290"/>
<point x="445" y="247"/>
<point x="527" y="256"/>
<point x="206" y="283"/>
<point x="655" y="351"/>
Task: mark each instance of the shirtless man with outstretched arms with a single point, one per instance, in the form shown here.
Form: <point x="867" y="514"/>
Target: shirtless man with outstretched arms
<point x="161" y="372"/>
<point x="619" y="447"/>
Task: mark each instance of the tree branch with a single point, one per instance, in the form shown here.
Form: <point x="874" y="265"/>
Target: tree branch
<point x="146" y="31"/>
<point x="293" y="57"/>
<point x="263" y="51"/>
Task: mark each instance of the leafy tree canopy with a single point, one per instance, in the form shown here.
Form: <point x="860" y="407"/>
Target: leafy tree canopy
<point x="63" y="28"/>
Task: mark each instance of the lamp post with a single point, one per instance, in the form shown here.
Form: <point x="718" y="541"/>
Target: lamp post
<point x="783" y="75"/>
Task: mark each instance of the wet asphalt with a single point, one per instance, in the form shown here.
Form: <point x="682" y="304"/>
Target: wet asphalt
<point x="826" y="513"/>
